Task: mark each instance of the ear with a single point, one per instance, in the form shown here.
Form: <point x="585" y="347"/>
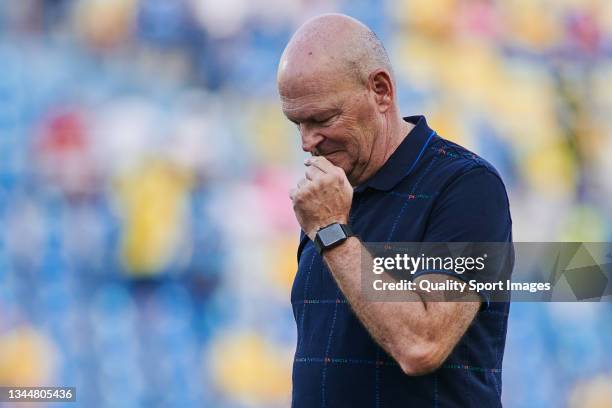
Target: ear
<point x="381" y="85"/>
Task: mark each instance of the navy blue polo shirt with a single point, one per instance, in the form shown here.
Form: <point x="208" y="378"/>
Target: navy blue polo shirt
<point x="429" y="190"/>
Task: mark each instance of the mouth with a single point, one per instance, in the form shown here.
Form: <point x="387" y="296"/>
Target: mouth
<point x="333" y="157"/>
<point x="326" y="155"/>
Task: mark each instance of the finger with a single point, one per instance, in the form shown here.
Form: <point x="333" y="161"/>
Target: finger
<point x="313" y="172"/>
<point x="302" y="183"/>
<point x="321" y="163"/>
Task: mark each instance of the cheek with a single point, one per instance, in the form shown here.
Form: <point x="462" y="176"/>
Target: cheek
<point x="359" y="124"/>
<point x="353" y="141"/>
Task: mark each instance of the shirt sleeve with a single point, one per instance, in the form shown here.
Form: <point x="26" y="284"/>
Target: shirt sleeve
<point x="474" y="208"/>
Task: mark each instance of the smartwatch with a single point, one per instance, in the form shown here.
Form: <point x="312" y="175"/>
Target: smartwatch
<point x="331" y="236"/>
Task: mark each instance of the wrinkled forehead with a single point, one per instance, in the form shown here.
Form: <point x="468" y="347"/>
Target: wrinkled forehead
<point x="313" y="82"/>
<point x="309" y="95"/>
<point x="294" y="78"/>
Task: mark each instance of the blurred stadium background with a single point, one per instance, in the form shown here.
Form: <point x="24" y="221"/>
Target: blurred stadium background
<point x="147" y="244"/>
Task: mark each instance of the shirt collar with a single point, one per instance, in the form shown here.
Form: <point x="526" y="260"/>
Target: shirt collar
<point x="404" y="159"/>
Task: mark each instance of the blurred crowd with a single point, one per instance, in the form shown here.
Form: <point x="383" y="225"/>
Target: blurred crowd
<point x="147" y="247"/>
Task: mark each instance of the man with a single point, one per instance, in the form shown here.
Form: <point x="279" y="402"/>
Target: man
<point x="390" y="180"/>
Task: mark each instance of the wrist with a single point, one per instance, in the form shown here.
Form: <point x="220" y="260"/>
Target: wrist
<point x="333" y="253"/>
<point x="312" y="234"/>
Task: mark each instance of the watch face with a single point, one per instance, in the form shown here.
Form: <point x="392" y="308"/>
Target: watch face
<point x="331" y="234"/>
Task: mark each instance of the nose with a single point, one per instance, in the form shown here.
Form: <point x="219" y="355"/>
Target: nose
<point x="310" y="138"/>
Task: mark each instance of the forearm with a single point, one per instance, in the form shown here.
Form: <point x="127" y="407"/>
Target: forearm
<point x="396" y="326"/>
<point x="417" y="334"/>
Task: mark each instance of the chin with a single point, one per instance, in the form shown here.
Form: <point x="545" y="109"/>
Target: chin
<point x="335" y="159"/>
<point x="337" y="163"/>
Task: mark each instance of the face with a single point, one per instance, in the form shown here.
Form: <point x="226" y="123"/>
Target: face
<point x="336" y="119"/>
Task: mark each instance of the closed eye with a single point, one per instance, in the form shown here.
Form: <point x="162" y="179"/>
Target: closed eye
<point x="325" y="122"/>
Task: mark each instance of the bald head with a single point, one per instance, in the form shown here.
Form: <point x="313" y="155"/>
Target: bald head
<point x="333" y="44"/>
<point x="335" y="83"/>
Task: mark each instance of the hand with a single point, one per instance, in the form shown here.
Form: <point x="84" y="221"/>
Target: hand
<point x="322" y="197"/>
